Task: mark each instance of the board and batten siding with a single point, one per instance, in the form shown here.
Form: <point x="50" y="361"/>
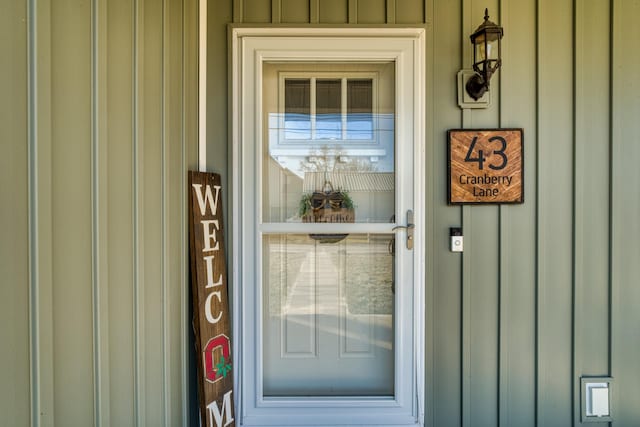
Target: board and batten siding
<point x="546" y="291"/>
<point x="98" y="127"/>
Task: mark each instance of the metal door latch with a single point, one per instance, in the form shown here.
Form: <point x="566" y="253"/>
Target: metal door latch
<point x="409" y="228"/>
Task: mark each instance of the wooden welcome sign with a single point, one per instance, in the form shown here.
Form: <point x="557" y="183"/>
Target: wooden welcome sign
<point x="211" y="322"/>
<point x="485" y="166"/>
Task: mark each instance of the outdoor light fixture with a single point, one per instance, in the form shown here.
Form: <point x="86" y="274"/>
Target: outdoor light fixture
<point x="486" y="56"/>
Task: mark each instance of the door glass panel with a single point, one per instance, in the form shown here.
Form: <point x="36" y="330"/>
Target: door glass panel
<point x="328" y="142"/>
<point x="328" y="315"/>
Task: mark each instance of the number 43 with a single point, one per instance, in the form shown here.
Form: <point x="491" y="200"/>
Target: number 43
<point x="481" y="158"/>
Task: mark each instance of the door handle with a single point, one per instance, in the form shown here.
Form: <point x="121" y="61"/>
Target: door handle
<point x="410" y="227"/>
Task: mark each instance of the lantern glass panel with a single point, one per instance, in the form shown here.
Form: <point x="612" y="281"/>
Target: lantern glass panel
<point x="492" y="49"/>
<point x="486" y="49"/>
<point x="479" y="52"/>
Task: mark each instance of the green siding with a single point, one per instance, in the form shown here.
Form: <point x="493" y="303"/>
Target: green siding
<point x="295" y="12"/>
<point x="150" y="214"/>
<point x="517" y="322"/>
<point x="480" y="267"/>
<point x="71" y="212"/>
<point x="591" y="188"/>
<point x="217" y="88"/>
<point x="444" y="357"/>
<point x="625" y="207"/>
<point x="372" y="12"/>
<point x="555" y="202"/>
<point x="97" y="119"/>
<point x="255" y="11"/>
<point x="333" y="11"/>
<point x="410" y="11"/>
<point x="99" y="126"/>
<point x="120" y="205"/>
<point x="14" y="215"/>
<point x="531" y="304"/>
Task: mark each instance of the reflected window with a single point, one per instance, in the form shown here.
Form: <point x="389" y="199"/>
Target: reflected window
<point x="297" y="110"/>
<point x="359" y="109"/>
<point x="329" y="109"/>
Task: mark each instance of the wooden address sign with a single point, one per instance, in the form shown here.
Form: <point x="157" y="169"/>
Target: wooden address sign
<point x="485" y="166"/>
<point x="211" y="321"/>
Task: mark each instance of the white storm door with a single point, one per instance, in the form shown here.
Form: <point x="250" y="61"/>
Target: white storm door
<point x="327" y="284"/>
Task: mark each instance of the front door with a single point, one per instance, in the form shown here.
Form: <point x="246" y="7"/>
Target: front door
<point x="327" y="293"/>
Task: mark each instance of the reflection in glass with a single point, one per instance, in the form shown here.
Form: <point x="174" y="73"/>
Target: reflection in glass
<point x="329" y="128"/>
<point x="297" y="113"/>
<point x="328" y="109"/>
<point x="328" y="316"/>
<point x="359" y="109"/>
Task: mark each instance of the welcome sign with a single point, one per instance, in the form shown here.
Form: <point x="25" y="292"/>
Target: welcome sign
<point x="485" y="166"/>
<point x="211" y="321"/>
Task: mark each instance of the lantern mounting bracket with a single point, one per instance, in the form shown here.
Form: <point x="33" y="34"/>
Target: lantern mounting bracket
<point x="464" y="99"/>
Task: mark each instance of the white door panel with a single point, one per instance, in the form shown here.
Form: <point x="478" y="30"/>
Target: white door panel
<point x="328" y="317"/>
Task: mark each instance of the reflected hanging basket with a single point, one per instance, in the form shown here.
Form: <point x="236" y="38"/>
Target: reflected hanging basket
<point x="328" y="206"/>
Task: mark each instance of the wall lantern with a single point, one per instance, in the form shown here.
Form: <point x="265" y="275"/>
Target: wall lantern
<point x="486" y="56"/>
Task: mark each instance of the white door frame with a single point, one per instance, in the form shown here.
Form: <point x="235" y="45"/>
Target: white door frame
<point x="402" y="45"/>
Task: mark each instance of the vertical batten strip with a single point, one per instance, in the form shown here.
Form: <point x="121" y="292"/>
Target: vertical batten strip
<point x="503" y="257"/>
<point x="184" y="296"/>
<point x="540" y="235"/>
<point x="314" y="11"/>
<point x="202" y="88"/>
<point x="611" y="177"/>
<point x="238" y="13"/>
<point x="166" y="348"/>
<point x="353" y="12"/>
<point x="615" y="164"/>
<point x="466" y="323"/>
<point x="503" y="299"/>
<point x="540" y="232"/>
<point x="95" y="205"/>
<point x="466" y="257"/>
<point x="391" y="11"/>
<point x="576" y="252"/>
<point x="276" y="14"/>
<point x="39" y="220"/>
<point x="98" y="214"/>
<point x="425" y="8"/>
<point x="138" y="291"/>
<point x="579" y="176"/>
<point x="537" y="220"/>
<point x="32" y="185"/>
